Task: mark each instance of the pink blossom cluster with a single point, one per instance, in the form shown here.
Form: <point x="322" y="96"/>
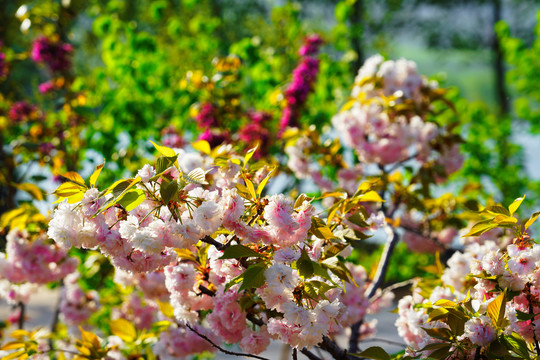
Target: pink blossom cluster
<point x="481" y="272"/>
<point x="3" y="65"/>
<point x="256" y="132"/>
<point x="150" y="247"/>
<point x="55" y="54"/>
<point x="76" y="305"/>
<point x="34" y="261"/>
<point x="139" y="312"/>
<point x="22" y="111"/>
<point x="376" y="128"/>
<point x="417" y="239"/>
<point x="303" y="79"/>
<point x="180" y="342"/>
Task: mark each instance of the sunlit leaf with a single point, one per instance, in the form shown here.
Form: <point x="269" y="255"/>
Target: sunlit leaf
<point x="532" y="219"/>
<point x="249" y="155"/>
<point x="202" y="146"/>
<point x="32" y="189"/>
<point x="123" y="329"/>
<point x="164" y="150"/>
<point x="95" y="175"/>
<point x="515" y="205"/>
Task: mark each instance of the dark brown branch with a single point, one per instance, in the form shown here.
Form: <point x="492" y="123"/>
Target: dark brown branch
<point x="309" y="354"/>
<point x="22" y="308"/>
<point x="228" y="352"/>
<point x="295" y="354"/>
<point x="375" y="284"/>
<point x="210" y="240"/>
<point x="333" y="349"/>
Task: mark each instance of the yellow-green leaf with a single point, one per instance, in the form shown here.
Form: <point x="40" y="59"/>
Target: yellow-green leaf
<point x="515" y="205"/>
<point x="32" y="189"/>
<point x="164" y="150"/>
<point x="532" y="219"/>
<point x="249" y="155"/>
<point x="371" y="196"/>
<point x="166" y="309"/>
<point x="95" y="175"/>
<point x="74" y="177"/>
<point x="251" y="188"/>
<point x="12" y="345"/>
<point x="123" y="329"/>
<point x="496" y="309"/>
<point x="202" y="146"/>
<point x="261" y="186"/>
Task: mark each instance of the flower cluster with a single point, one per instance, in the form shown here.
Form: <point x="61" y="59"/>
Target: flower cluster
<point x="34" y="261"/>
<point x="162" y="241"/>
<point x="492" y="290"/>
<point x="22" y="111"/>
<point x="386" y="120"/>
<point x="303" y="79"/>
<point x="55" y="54"/>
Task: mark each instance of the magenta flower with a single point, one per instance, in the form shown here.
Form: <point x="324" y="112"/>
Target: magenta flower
<point x="303" y="79"/>
<point x="55" y="55"/>
<point x="207" y="116"/>
<point x="22" y="111"/>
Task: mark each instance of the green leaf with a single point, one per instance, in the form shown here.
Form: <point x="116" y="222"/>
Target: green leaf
<point x="515" y="205"/>
<point x="239" y="251"/>
<point x="439" y="333"/>
<point x="164" y="162"/>
<point x="517" y="344"/>
<point x="132" y="199"/>
<point x="168" y="191"/>
<point x="320" y="230"/>
<point x="438" y="314"/>
<point x="532" y="219"/>
<point x="496" y="210"/>
<point x="253" y="276"/>
<point x="523" y="316"/>
<point x="481" y="227"/>
<point x="442" y="353"/>
<point x="339" y="269"/>
<point x="496" y="309"/>
<point x="374" y="352"/>
<point x="305" y="265"/>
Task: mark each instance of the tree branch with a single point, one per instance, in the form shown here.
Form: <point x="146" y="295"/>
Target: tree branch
<point x="375" y="284"/>
<point x="210" y="240"/>
<point x="309" y="354"/>
<point x="222" y="349"/>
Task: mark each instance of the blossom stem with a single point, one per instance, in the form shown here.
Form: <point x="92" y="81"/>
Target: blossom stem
<point x="228" y="352"/>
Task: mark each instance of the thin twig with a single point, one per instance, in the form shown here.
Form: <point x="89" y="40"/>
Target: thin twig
<point x="228" y="352"/>
<point x="392" y="288"/>
<point x="388" y="341"/>
<point x="295" y="354"/>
